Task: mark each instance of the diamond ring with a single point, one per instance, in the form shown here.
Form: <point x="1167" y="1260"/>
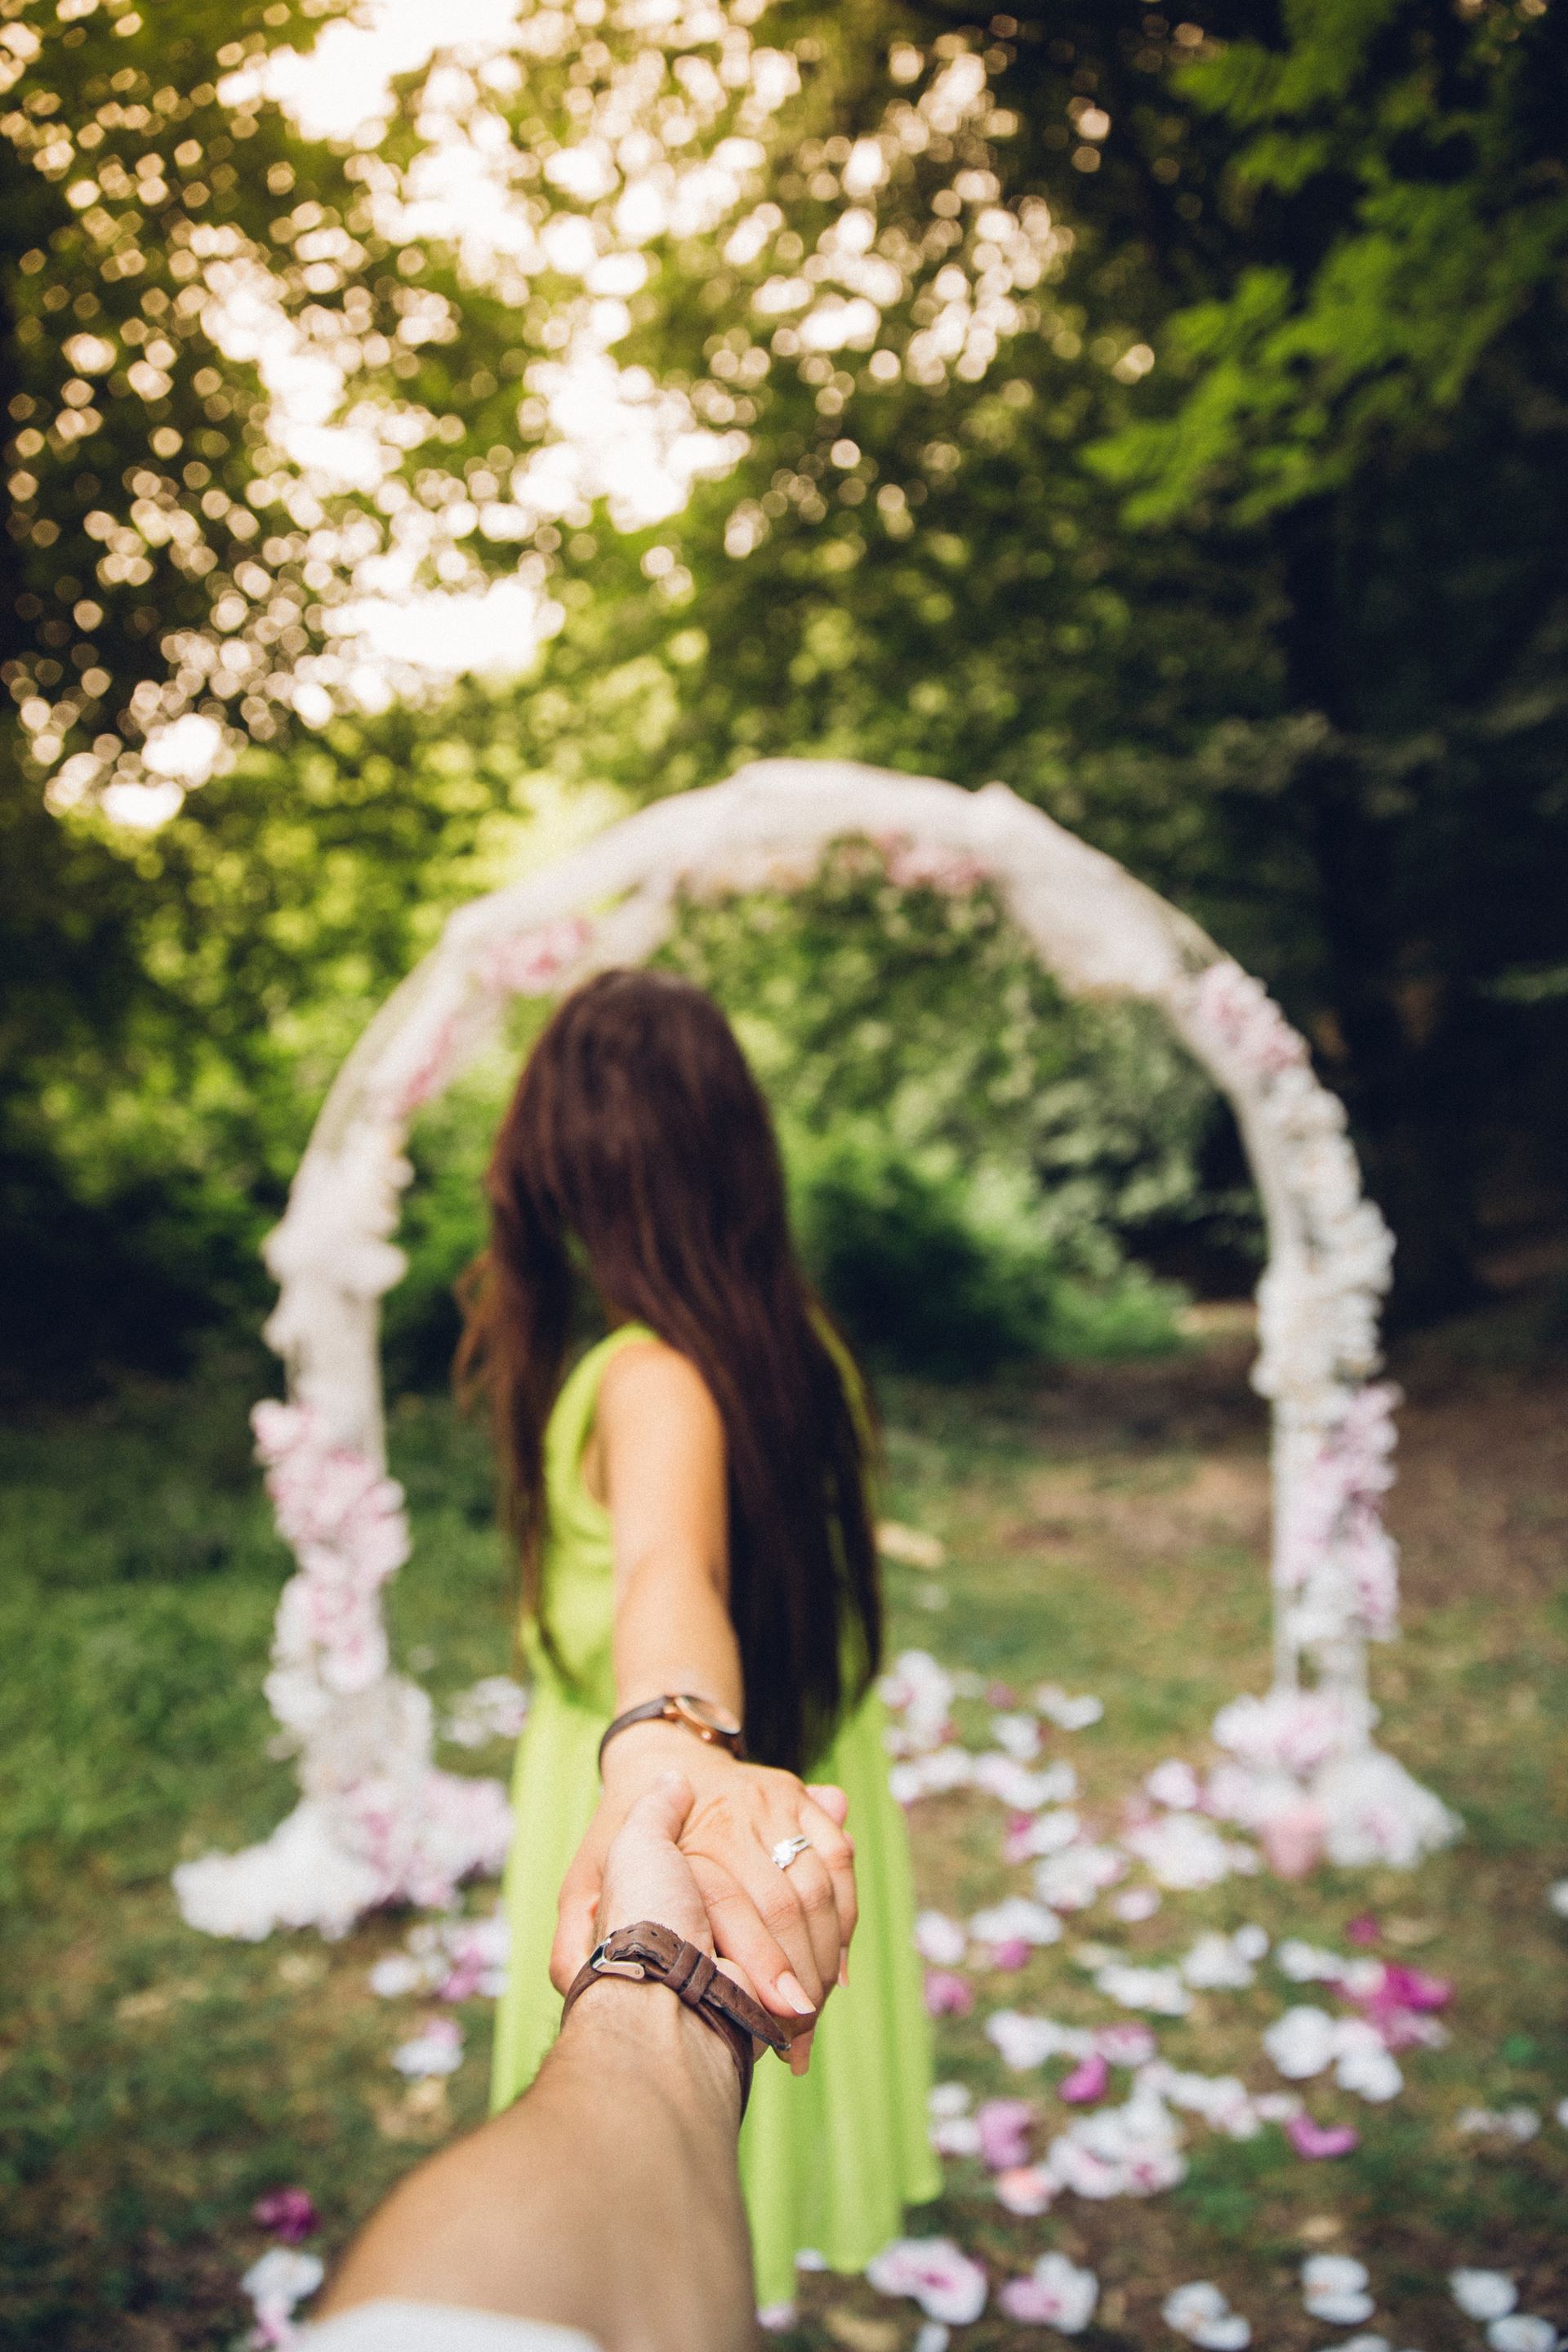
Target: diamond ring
<point x="784" y="1853"/>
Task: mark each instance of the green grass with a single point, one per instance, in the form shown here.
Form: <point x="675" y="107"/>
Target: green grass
<point x="1105" y="1531"/>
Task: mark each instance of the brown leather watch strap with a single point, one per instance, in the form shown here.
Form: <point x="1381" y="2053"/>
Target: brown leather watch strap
<point x="661" y="1957"/>
<point x="695" y="1715"/>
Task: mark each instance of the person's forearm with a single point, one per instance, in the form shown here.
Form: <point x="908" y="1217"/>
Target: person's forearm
<point x="606" y="2200"/>
<point x="673" y="1634"/>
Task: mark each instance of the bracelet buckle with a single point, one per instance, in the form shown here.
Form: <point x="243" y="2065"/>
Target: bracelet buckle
<point x="603" y="1968"/>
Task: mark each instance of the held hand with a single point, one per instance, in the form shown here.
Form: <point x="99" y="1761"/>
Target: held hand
<point x="784" y="1929"/>
<point x="646" y="1877"/>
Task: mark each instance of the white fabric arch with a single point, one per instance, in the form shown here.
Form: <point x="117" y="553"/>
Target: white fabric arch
<point x="377" y="1820"/>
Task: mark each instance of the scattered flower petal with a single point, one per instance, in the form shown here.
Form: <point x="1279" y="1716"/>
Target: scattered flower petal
<point x="1517" y="2123"/>
<point x="1521" y="2331"/>
<point x="1204" y="2315"/>
<point x="1302" y="2042"/>
<point x="1086" y="2083"/>
<point x="1136" y="1902"/>
<point x="940" y="1940"/>
<point x="1017" y="1920"/>
<point x="283" y="2277"/>
<point x="1056" y="2294"/>
<point x="1019" y="1735"/>
<point x="1027" y="2041"/>
<point x="1029" y="2190"/>
<point x="940" y="2278"/>
<point x="439" y="2049"/>
<point x="1314" y="2140"/>
<point x="1175" y="1783"/>
<point x="289" y="2213"/>
<point x="1483" y="2295"/>
<point x="398" y="1973"/>
<point x="1342" y="2308"/>
<point x="1333" y="2275"/>
<point x="1196" y="2305"/>
<point x="947" y="1995"/>
<point x="1004" y="2128"/>
<point x="1159" y="1990"/>
<point x="1218" y="1963"/>
<point x="1182" y="1850"/>
<point x="1067" y="1714"/>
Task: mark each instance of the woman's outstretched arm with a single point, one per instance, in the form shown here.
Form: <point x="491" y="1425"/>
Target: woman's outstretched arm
<point x="656" y="1459"/>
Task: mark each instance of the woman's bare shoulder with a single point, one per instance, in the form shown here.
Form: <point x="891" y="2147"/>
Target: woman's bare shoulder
<point x="648" y="1375"/>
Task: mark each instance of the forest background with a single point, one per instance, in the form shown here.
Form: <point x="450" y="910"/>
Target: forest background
<point x="420" y="457"/>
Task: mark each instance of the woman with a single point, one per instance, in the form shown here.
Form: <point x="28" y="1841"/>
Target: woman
<point x="691" y="1510"/>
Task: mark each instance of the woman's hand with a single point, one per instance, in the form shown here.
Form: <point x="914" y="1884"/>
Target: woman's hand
<point x="788" y="1930"/>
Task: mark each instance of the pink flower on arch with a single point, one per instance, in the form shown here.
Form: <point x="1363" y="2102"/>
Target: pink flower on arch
<point x="533" y="963"/>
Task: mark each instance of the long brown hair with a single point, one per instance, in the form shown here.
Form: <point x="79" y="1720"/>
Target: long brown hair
<point x="637" y="1140"/>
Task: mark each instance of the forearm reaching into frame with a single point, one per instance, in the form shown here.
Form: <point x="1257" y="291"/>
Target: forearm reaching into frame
<point x="607" y="2199"/>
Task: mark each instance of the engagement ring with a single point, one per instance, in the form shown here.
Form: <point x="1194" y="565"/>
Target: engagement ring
<point x="785" y="1850"/>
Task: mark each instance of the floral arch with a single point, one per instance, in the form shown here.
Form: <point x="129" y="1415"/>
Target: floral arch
<point x="377" y="1820"/>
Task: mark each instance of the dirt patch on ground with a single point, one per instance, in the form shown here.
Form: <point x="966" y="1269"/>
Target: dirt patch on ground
<point x="1481" y="1505"/>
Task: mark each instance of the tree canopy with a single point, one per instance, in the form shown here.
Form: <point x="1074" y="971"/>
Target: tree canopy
<point x="1165" y="417"/>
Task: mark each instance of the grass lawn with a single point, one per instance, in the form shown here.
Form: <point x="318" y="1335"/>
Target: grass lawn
<point x="1105" y="1530"/>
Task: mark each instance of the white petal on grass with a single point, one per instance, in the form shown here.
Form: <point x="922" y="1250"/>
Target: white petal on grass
<point x="1483" y="2295"/>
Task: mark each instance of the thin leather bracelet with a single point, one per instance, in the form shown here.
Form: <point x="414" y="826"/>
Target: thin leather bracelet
<point x="659" y="1956"/>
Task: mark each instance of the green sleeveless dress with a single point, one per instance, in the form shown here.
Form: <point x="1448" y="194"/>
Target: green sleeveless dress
<point x="829" y="2159"/>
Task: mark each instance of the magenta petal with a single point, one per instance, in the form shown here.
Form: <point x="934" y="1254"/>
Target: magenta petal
<point x="1362" y="1929"/>
<point x="1414" y="1988"/>
<point x="1311" y="2140"/>
<point x="947" y="1994"/>
<point x="289" y="2213"/>
<point x="1086" y="2083"/>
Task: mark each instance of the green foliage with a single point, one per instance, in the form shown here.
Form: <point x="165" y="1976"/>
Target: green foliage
<point x="1419" y="156"/>
<point x="918" y="1013"/>
<point x="1242" y="552"/>
<point x="933" y="1275"/>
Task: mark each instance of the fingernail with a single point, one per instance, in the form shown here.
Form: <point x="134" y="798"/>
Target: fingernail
<point x="844" y="1972"/>
<point x="795" y="1993"/>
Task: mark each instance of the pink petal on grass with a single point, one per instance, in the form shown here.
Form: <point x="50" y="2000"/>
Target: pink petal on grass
<point x="289" y="2213"/>
<point x="1362" y="1929"/>
<point x="1311" y="2140"/>
<point x="1004" y="2126"/>
<point x="947" y="1995"/>
<point x="1415" y="1987"/>
<point x="1293" y="1841"/>
<point x="1086" y="2083"/>
<point x="1029" y="2190"/>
